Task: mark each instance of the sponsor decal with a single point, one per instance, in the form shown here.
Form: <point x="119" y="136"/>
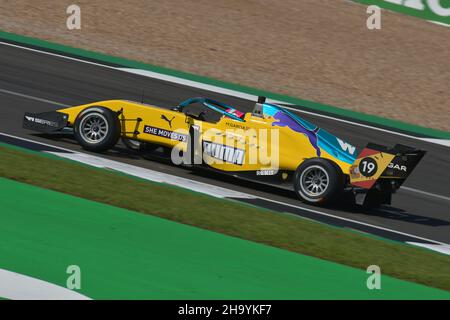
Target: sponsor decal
<point x="224" y="153"/>
<point x="266" y="172"/>
<point x="397" y="167"/>
<point x="368" y="167"/>
<point x="235" y="125"/>
<point x="165" y="133"/>
<point x="167" y="119"/>
<point x="235" y="112"/>
<point x="42" y="121"/>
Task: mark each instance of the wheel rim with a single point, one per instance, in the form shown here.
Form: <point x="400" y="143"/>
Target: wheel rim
<point x="94" y="128"/>
<point x="314" y="181"/>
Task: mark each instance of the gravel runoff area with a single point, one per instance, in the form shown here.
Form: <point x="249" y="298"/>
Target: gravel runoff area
<point x="318" y="50"/>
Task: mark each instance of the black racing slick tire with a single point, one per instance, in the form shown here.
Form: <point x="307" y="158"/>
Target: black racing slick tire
<point x="97" y="129"/>
<point x="318" y="181"/>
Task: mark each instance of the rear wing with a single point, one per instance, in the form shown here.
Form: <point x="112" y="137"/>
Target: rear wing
<point x="379" y="162"/>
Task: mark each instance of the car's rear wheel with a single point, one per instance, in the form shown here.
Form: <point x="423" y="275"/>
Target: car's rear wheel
<point x="318" y="181"/>
<point x="97" y="129"/>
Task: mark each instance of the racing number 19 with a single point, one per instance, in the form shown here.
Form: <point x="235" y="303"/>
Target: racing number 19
<point x="368" y="167"/>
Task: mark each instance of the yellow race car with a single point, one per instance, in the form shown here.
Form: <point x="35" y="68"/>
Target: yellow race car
<point x="269" y="144"/>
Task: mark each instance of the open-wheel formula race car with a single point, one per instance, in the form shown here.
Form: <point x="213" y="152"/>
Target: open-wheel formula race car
<point x="269" y="144"/>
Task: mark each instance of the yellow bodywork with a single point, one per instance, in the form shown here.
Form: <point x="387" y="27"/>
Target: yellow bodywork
<point x="292" y="148"/>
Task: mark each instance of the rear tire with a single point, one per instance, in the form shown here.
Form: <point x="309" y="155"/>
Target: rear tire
<point x="97" y="129"/>
<point x="318" y="181"/>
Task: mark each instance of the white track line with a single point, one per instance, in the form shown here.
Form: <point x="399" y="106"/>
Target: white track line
<point x="195" y="84"/>
<point x="15" y="286"/>
<point x="445" y="249"/>
<point x="438" y="141"/>
<point x="33" y="98"/>
<point x="425" y="193"/>
<point x="440" y="23"/>
<point x="221" y="90"/>
<point x="56" y="55"/>
<point x="38" y="142"/>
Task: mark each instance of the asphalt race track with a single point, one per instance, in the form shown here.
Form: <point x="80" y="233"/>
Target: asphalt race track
<point x="33" y="81"/>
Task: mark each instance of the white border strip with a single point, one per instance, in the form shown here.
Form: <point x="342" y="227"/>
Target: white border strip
<point x="15" y="286"/>
<point x="26" y="96"/>
<point x="152" y="175"/>
<point x="445" y="249"/>
<point x="426" y="193"/>
<point x="440" y="23"/>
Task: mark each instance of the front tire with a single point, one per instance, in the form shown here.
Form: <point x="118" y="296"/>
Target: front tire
<point x="318" y="181"/>
<point x="97" y="129"/>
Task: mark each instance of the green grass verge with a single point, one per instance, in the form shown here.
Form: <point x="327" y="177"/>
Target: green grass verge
<point x="308" y="105"/>
<point x="227" y="217"/>
<point x="123" y="254"/>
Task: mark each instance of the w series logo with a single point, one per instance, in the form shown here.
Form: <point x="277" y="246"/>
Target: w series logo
<point x="346" y="146"/>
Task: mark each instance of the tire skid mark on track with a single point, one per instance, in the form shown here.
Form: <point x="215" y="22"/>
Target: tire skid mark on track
<point x="15" y="286"/>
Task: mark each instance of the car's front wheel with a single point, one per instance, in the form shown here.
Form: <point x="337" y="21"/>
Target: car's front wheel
<point x="318" y="181"/>
<point x="97" y="129"/>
